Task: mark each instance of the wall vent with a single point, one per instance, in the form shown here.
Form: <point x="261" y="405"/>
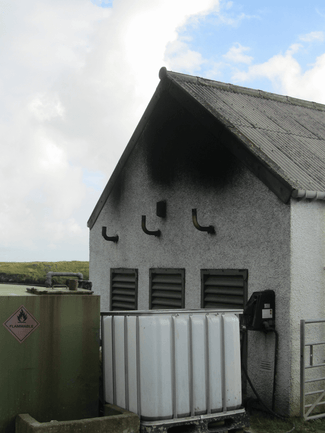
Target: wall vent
<point x="167" y="288"/>
<point x="124" y="289"/>
<point x="223" y="288"/>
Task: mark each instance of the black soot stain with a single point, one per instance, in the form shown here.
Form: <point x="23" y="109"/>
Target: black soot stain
<point x="177" y="145"/>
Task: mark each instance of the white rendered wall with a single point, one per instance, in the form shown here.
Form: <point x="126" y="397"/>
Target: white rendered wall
<point x="307" y="278"/>
<point x="252" y="232"/>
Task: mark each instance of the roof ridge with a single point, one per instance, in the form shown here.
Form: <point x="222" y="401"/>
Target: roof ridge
<point x="228" y="87"/>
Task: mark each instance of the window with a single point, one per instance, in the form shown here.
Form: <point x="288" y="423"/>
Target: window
<point x="224" y="288"/>
<point x="124" y="289"/>
<point x="167" y="288"/>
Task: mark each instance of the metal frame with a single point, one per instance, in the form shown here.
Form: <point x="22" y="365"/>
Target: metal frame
<point x="306" y="414"/>
<point x="175" y="312"/>
<point x="232" y="420"/>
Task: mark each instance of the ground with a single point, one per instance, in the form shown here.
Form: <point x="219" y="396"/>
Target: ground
<point x="264" y="424"/>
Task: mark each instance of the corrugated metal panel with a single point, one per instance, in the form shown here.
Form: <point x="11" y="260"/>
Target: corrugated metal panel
<point x="223" y="288"/>
<point x="290" y="132"/>
<point x="283" y="149"/>
<point x="124" y="289"/>
<point x="167" y="288"/>
<point x="311" y="119"/>
<point x="251" y="111"/>
<point x="206" y="94"/>
<point x="267" y="114"/>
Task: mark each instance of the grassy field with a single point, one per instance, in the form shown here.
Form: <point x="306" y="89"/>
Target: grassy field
<point x="35" y="272"/>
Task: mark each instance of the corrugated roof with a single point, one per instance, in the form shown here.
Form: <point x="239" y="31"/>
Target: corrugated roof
<point x="287" y="131"/>
<point x="281" y="139"/>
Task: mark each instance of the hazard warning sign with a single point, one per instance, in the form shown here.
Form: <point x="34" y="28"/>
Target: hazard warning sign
<point x="21" y="324"/>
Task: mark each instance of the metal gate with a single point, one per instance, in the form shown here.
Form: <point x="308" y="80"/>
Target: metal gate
<point x="312" y="368"/>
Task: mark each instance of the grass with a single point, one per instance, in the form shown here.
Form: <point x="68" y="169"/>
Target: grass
<point x="35" y="272"/>
<point x="265" y="424"/>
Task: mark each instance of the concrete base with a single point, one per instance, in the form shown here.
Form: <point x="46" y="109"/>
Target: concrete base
<point x="116" y="420"/>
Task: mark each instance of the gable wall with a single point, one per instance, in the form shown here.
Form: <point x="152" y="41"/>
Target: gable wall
<point x="252" y="232"/>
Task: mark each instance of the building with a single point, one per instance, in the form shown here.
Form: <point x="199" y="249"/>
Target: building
<point x="219" y="193"/>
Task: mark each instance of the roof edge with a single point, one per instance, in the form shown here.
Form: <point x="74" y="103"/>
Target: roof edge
<point x="302" y="194"/>
<point x="163" y="73"/>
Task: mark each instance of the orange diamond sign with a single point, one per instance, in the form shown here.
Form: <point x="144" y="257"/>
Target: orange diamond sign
<point x="21" y="324"/>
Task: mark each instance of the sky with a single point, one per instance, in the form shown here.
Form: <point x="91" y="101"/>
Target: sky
<point x="77" y="75"/>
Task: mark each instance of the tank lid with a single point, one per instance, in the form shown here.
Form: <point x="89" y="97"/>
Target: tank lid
<point x="57" y="291"/>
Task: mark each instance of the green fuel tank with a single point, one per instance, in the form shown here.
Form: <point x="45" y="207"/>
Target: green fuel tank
<point x="49" y="354"/>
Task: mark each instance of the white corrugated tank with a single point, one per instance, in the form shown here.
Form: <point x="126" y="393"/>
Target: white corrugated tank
<point x="172" y="364"/>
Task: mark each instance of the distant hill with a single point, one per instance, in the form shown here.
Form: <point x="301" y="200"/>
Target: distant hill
<point x="35" y="272"/>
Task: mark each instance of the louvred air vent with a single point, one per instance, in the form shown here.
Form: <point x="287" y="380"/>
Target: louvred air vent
<point x="124" y="289"/>
<point x="167" y="288"/>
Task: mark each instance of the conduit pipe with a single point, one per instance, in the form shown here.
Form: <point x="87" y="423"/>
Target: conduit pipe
<point x="208" y="229"/>
<point x="109" y="238"/>
<point x="149" y="232"/>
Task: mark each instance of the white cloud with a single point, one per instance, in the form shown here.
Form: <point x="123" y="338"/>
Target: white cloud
<point x="46" y="107"/>
<point x="180" y="58"/>
<point x="230" y="16"/>
<point x="312" y="36"/>
<point x="287" y="76"/>
<point x="279" y="69"/>
<point x="74" y="80"/>
<point x="236" y="54"/>
<point x="321" y="13"/>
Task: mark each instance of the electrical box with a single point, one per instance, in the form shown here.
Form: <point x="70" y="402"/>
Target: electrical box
<point x="259" y="313"/>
